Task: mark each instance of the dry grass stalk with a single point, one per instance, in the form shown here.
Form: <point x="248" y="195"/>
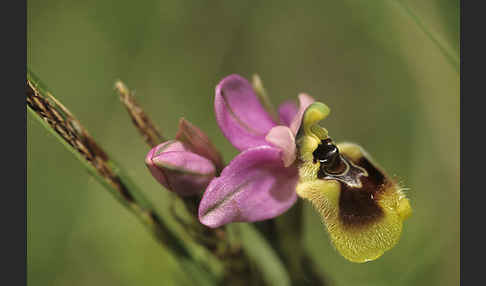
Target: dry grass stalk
<point x="143" y="123"/>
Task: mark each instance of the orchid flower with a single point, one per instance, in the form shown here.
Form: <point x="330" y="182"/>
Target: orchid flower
<point x="361" y="206"/>
<point x="282" y="159"/>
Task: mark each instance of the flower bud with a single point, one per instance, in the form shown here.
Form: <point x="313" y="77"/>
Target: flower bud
<point x="178" y="169"/>
<point x="198" y="142"/>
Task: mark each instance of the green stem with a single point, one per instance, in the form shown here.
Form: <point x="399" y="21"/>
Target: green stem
<point x="289" y="241"/>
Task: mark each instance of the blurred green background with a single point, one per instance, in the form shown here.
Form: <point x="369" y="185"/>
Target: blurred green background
<point x="388" y="85"/>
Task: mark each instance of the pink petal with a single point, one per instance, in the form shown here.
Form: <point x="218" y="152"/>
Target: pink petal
<point x="239" y="113"/>
<point x="287" y="112"/>
<point x="282" y="137"/>
<point x="254" y="186"/>
<point x="304" y="101"/>
<point x="179" y="171"/>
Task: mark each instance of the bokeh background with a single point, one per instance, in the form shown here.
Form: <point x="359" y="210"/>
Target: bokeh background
<point x="388" y="85"/>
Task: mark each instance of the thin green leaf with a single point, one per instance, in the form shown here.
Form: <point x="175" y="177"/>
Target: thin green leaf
<point x="262" y="254"/>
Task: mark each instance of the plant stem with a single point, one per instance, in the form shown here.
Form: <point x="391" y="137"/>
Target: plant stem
<point x="301" y="267"/>
<point x="285" y="235"/>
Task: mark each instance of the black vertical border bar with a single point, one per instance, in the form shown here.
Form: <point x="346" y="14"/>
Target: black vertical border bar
<point x="13" y="117"/>
<point x="21" y="257"/>
<point x="21" y="66"/>
<point x="473" y="151"/>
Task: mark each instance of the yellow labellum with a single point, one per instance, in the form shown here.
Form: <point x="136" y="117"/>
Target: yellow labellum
<point x="362" y="208"/>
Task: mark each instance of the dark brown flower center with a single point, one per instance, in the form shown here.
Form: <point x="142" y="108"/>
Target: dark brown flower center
<point x="360" y="181"/>
<point x="328" y="155"/>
